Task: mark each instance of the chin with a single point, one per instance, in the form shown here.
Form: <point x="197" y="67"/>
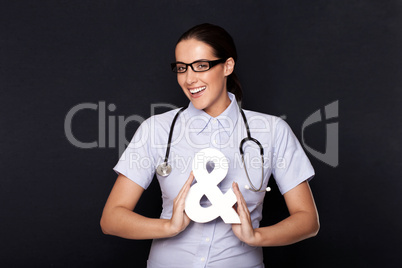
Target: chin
<point x="198" y="106"/>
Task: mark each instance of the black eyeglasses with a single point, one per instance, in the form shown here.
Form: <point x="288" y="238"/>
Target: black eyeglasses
<point x="196" y="66"/>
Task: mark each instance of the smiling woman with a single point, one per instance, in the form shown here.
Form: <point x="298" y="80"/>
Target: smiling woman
<point x="205" y="62"/>
<point x="210" y="84"/>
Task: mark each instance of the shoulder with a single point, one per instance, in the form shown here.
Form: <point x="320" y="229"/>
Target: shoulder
<point x="161" y="121"/>
<point x="153" y="128"/>
<point x="259" y="120"/>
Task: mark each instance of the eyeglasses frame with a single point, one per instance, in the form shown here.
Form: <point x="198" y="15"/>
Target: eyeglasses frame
<point x="211" y="63"/>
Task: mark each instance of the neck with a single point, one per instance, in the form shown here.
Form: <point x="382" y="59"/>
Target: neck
<point x="218" y="108"/>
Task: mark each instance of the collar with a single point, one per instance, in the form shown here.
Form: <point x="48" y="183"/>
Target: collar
<point x="198" y="119"/>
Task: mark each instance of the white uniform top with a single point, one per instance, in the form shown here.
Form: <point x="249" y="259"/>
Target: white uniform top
<point x="213" y="244"/>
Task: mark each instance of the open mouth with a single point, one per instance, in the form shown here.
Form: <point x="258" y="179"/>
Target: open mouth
<point x="197" y="90"/>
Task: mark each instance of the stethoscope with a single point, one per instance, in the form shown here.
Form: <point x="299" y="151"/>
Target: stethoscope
<point x="165" y="168"/>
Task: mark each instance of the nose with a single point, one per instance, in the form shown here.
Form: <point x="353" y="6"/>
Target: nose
<point x="191" y="76"/>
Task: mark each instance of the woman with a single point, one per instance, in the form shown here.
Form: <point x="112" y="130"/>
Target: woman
<point x="205" y="61"/>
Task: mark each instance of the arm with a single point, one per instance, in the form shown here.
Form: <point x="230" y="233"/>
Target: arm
<point x="302" y="223"/>
<point x="119" y="219"/>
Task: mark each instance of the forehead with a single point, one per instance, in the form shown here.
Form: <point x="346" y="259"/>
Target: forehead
<point x="191" y="50"/>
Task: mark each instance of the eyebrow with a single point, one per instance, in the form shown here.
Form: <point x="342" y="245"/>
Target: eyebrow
<point x="193" y="61"/>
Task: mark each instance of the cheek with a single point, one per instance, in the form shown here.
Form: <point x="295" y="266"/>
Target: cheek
<point x="180" y="80"/>
<point x="217" y="79"/>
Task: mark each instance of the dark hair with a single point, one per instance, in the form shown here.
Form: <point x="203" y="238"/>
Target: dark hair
<point x="222" y="44"/>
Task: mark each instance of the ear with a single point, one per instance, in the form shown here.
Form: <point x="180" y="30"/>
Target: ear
<point x="229" y="66"/>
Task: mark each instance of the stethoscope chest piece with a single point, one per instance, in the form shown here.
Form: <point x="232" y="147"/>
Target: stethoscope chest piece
<point x="164" y="169"/>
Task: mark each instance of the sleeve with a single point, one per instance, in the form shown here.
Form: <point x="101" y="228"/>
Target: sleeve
<point x="138" y="162"/>
<point x="291" y="165"/>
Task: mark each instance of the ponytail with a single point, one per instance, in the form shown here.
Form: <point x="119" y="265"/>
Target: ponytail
<point x="233" y="85"/>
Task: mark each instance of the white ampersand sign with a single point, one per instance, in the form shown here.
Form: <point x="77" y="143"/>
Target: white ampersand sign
<point x="207" y="184"/>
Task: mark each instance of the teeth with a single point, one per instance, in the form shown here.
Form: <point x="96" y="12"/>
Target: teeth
<point x="196" y="90"/>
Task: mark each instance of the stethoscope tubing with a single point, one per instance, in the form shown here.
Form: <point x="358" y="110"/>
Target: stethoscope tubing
<point x="243" y="141"/>
<point x="164" y="169"/>
<point x="171" y="134"/>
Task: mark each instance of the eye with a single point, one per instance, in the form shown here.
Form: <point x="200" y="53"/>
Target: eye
<point x="181" y="68"/>
<point x="200" y="66"/>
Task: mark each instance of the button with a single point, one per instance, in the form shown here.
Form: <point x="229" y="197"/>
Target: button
<point x="207" y="239"/>
<point x="202" y="259"/>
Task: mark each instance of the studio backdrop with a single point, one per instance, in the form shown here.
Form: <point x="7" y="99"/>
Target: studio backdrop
<point x="77" y="78"/>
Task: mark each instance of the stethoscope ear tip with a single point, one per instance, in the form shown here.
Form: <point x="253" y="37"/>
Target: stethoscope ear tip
<point x="266" y="189"/>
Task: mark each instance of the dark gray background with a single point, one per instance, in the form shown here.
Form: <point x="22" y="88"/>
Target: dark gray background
<point x="295" y="57"/>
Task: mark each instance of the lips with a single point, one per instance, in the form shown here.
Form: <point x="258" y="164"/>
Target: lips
<point x="197" y="90"/>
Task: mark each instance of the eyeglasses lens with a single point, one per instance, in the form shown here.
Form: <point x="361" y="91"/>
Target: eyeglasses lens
<point x="199" y="66"/>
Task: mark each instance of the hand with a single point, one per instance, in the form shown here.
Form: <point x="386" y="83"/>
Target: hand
<point x="244" y="231"/>
<point x="180" y="220"/>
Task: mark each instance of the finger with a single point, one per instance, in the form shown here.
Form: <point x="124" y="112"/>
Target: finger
<point x="243" y="201"/>
<point x="242" y="204"/>
<point x="181" y="196"/>
<point x="236" y="190"/>
<point x="186" y="186"/>
<point x="189" y="180"/>
<point x="240" y="199"/>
